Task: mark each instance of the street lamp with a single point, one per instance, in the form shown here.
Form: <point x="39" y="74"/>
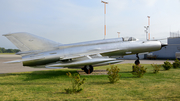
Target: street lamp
<point x="118" y="34"/>
<point x="149" y="27"/>
<point x="104" y="17"/>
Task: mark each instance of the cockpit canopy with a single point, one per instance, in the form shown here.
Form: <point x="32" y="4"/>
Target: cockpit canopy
<point x="129" y="39"/>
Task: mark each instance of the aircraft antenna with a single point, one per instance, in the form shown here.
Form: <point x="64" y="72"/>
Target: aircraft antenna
<point x="104" y="17"/>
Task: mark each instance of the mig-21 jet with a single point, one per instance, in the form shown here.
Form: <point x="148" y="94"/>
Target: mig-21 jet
<point x="37" y="51"/>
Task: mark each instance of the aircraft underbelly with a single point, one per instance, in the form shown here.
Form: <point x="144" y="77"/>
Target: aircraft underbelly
<point x="115" y="53"/>
<point x="40" y="61"/>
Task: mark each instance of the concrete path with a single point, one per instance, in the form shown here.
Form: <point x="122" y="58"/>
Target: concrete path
<point x="15" y="67"/>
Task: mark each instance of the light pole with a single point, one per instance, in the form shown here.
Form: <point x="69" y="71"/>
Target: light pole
<point x="149" y="27"/>
<point x="118" y="34"/>
<point x="146" y="31"/>
<point x="104" y="17"/>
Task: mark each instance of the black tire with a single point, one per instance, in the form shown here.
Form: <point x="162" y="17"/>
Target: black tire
<point x="88" y="69"/>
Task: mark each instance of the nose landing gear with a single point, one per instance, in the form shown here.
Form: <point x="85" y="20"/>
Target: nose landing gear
<point x="137" y="62"/>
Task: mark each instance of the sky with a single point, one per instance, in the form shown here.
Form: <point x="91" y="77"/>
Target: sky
<point x="70" y="21"/>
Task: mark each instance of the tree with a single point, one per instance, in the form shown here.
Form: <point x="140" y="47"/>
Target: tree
<point x="3" y="50"/>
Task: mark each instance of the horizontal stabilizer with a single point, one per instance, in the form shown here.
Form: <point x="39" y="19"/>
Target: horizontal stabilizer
<point x="22" y="60"/>
<point x="14" y="61"/>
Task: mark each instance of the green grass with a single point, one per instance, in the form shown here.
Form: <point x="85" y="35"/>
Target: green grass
<point x="50" y="85"/>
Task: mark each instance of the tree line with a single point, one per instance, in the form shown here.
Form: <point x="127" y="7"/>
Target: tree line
<point x="3" y="50"/>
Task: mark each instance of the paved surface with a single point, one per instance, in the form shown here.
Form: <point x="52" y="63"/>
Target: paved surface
<point x="17" y="67"/>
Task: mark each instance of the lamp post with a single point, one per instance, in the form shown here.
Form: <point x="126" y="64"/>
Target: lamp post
<point x="118" y="34"/>
<point x="104" y="17"/>
<point x="149" y="27"/>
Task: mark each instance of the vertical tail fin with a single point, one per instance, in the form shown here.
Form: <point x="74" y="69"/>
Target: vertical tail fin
<point x="28" y="42"/>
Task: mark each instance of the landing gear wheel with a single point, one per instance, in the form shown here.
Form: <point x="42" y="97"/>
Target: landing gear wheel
<point x="88" y="69"/>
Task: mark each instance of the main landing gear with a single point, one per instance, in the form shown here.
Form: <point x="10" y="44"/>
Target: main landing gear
<point x="88" y="69"/>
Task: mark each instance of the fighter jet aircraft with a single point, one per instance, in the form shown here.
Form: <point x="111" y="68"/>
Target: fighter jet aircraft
<point x="37" y="51"/>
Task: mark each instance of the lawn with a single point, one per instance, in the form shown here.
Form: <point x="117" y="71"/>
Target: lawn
<point x="50" y="85"/>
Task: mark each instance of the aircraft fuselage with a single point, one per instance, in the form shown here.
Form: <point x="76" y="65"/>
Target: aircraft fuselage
<point x="118" y="46"/>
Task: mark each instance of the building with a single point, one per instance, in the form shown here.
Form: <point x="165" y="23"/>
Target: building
<point x="170" y="51"/>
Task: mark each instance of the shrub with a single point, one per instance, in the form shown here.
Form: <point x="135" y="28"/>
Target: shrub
<point x="176" y="63"/>
<point x="76" y="82"/>
<point x="138" y="70"/>
<point x="113" y="74"/>
<point x="167" y="65"/>
<point x="156" y="68"/>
